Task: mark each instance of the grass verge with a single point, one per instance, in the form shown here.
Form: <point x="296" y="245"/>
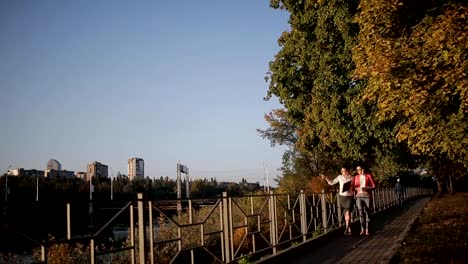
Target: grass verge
<point x="440" y="234"/>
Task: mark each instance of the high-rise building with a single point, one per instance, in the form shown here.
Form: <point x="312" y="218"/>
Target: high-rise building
<point x="136" y="169"/>
<point x="53" y="164"/>
<point x="97" y="169"/>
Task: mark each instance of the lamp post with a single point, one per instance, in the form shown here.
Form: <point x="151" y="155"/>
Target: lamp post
<point x="112" y="183"/>
<point x="91" y="187"/>
<point x="90" y="204"/>
<point x="6" y="191"/>
<point x="37" y="188"/>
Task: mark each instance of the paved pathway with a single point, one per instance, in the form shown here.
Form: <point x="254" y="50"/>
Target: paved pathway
<point x="389" y="229"/>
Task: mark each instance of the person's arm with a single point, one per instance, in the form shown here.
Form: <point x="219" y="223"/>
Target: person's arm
<point x="357" y="184"/>
<point x="371" y="179"/>
<point x="328" y="180"/>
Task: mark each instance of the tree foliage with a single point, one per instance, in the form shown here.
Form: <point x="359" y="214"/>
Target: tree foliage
<point x="381" y="83"/>
<point x="413" y="55"/>
<point x="281" y="130"/>
<point x="313" y="77"/>
<point x="310" y="74"/>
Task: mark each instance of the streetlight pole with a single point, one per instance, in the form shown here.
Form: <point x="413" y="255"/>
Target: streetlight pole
<point x="112" y="183"/>
<point x="91" y="188"/>
<point x="6" y="191"/>
<point x="37" y="189"/>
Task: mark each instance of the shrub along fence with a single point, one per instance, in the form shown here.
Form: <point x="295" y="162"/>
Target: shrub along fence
<point x="221" y="230"/>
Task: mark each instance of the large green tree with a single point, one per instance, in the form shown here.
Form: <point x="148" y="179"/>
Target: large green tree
<point x="313" y="77"/>
<point x="310" y="74"/>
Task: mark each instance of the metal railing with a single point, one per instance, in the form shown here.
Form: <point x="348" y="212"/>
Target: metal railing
<point x="226" y="229"/>
<point x="94" y="252"/>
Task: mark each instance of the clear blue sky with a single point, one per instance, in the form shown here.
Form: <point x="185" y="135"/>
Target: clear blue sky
<point x="162" y="80"/>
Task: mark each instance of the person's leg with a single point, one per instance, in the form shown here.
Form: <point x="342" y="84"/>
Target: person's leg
<point x="350" y="211"/>
<point x="366" y="209"/>
<point x="360" y="206"/>
<point x="345" y="202"/>
<point x="347" y="220"/>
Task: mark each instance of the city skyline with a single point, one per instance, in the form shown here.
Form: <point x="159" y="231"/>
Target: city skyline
<point x="239" y="174"/>
<point x="165" y="81"/>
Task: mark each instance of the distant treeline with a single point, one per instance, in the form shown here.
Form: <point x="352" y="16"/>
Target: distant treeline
<point x="157" y="188"/>
<point x="37" y="218"/>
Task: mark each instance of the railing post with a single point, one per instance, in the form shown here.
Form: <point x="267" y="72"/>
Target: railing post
<point x="303" y="219"/>
<point x="68" y="222"/>
<point x="151" y="238"/>
<point x="192" y="256"/>
<point x="91" y="251"/>
<point x="273" y="221"/>
<point x="226" y="229"/>
<point x="379" y="191"/>
<point x="338" y="209"/>
<point x="387" y="203"/>
<point x="258" y="224"/>
<point x="375" y="197"/>
<point x="141" y="229"/>
<point x="132" y="235"/>
<point x="43" y="254"/>
<point x="324" y="212"/>
<point x="372" y="202"/>
<point x="388" y="197"/>
<point x="231" y="227"/>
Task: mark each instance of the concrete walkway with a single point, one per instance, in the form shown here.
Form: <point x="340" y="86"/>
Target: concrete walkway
<point x="388" y="229"/>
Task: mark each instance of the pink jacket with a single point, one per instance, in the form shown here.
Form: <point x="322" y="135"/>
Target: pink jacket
<point x="369" y="183"/>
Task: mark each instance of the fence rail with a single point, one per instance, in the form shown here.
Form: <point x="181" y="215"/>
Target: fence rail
<point x="222" y="230"/>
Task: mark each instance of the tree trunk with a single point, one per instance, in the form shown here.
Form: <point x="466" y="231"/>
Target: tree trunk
<point x="439" y="187"/>
<point x="450" y="186"/>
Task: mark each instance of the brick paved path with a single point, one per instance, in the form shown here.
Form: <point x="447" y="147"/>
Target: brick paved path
<point x="389" y="229"/>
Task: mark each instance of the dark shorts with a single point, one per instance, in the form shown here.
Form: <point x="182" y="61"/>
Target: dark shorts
<point x="346" y="202"/>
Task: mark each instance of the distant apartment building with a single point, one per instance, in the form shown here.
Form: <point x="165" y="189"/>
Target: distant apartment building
<point x="26" y="173"/>
<point x="53" y="164"/>
<point x="59" y="174"/>
<point x="80" y="175"/>
<point x="15" y="172"/>
<point x="136" y="169"/>
<point x="66" y="174"/>
<point x="97" y="169"/>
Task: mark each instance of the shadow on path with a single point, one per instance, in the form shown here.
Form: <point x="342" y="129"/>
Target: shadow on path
<point x="385" y="227"/>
